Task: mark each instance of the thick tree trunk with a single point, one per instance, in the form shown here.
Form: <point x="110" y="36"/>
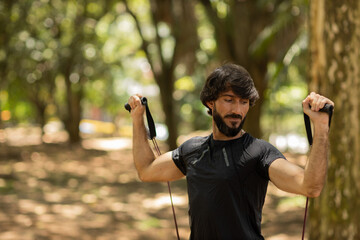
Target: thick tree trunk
<point x="335" y="72"/>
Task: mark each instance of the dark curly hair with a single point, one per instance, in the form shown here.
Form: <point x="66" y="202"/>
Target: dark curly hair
<point x="229" y="77"/>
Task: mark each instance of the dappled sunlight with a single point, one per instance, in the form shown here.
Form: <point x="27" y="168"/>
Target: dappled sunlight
<point x="68" y="67"/>
<point x="2" y="136"/>
<point x="68" y="211"/>
<point x="162" y="200"/>
<point x="107" y="144"/>
<point x="75" y="193"/>
<point x="282" y="237"/>
<point x="30" y="136"/>
<point x="53" y="197"/>
<point x="62" y="192"/>
<point x="291" y="142"/>
<point x="23" y="136"/>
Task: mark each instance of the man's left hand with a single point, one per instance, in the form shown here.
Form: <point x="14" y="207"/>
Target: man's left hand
<point x="311" y="106"/>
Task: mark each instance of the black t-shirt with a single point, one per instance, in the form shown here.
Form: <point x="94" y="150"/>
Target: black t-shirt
<point x="225" y="202"/>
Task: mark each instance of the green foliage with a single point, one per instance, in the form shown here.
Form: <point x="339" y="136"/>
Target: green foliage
<point x="6" y="186"/>
<point x="57" y="40"/>
<point x="52" y="50"/>
<point x="149" y="224"/>
<point x="282" y="112"/>
<point x="289" y="202"/>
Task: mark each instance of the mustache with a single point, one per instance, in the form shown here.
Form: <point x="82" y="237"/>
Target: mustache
<point x="234" y="116"/>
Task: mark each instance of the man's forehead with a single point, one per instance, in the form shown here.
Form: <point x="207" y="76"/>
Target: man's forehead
<point x="230" y="93"/>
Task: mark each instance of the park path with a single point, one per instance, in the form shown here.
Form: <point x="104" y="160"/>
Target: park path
<point x="57" y="192"/>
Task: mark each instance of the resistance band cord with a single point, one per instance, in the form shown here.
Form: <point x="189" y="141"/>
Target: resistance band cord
<point x="329" y="110"/>
<point x="152" y="136"/>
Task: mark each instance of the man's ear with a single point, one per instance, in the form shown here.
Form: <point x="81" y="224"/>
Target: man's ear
<point x="210" y="104"/>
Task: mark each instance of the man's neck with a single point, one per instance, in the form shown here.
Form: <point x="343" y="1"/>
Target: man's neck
<point x="217" y="135"/>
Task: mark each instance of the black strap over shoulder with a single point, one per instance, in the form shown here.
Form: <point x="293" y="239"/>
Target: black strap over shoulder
<point x="328" y="109"/>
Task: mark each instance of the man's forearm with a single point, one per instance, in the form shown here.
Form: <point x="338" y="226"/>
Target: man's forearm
<point x="142" y="152"/>
<point x="316" y="167"/>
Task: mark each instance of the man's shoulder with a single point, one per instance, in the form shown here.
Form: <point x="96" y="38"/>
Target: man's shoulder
<point x="193" y="144"/>
<point x="196" y="141"/>
<point x="255" y="142"/>
<point x="257" y="146"/>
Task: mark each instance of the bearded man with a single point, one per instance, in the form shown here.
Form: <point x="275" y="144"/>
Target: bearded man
<point x="228" y="171"/>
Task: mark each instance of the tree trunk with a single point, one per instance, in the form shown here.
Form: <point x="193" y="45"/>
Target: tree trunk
<point x="237" y="32"/>
<point x="41" y="118"/>
<point x="168" y="106"/>
<point x="180" y="18"/>
<point x="335" y="72"/>
<point x="252" y="123"/>
<point x="72" y="121"/>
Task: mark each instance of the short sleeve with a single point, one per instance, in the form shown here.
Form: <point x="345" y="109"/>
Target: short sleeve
<point x="184" y="153"/>
<point x="269" y="154"/>
<point x="179" y="160"/>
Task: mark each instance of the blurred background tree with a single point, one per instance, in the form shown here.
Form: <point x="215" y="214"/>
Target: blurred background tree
<point x="171" y="46"/>
<point x="334" y="71"/>
<point x="77" y="62"/>
<point x="81" y="60"/>
<point x="255" y="34"/>
<point x="50" y="53"/>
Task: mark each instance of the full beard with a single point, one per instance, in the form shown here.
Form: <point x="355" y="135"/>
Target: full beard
<point x="225" y="129"/>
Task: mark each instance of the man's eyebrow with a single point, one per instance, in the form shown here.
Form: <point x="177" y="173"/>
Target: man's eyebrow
<point x="227" y="95"/>
<point x="232" y="96"/>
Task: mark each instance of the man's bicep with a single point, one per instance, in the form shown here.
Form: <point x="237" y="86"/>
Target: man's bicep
<point x="162" y="169"/>
<point x="287" y="176"/>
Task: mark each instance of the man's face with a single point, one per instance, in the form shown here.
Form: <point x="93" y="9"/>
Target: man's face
<point x="229" y="113"/>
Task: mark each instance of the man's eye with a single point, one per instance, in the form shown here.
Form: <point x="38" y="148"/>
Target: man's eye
<point x="228" y="100"/>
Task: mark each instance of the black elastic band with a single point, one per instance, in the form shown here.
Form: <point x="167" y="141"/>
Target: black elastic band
<point x="150" y="120"/>
<point x="152" y="136"/>
<point x="329" y="110"/>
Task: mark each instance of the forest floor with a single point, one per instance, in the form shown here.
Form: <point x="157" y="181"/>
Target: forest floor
<point x="91" y="192"/>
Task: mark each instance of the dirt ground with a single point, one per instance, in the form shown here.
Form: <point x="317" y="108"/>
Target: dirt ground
<point x="91" y="192"/>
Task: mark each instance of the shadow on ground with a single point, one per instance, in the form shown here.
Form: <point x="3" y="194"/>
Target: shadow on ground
<point x="53" y="191"/>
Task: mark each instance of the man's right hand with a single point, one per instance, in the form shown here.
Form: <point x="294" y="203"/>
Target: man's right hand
<point x="137" y="108"/>
<point x="149" y="167"/>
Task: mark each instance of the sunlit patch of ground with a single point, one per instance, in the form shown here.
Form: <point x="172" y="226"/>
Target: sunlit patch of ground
<point x="107" y="144"/>
<point x="56" y="191"/>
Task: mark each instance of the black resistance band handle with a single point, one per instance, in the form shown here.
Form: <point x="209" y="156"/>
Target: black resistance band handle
<point x="143" y="102"/>
<point x="328" y="108"/>
<point x="150" y="120"/>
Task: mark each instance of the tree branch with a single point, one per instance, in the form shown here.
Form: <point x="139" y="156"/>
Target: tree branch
<point x="145" y="43"/>
<point x="157" y="38"/>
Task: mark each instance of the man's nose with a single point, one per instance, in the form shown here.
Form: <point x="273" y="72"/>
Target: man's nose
<point x="236" y="107"/>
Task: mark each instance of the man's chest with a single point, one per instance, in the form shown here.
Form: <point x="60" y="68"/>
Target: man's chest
<point x="220" y="163"/>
